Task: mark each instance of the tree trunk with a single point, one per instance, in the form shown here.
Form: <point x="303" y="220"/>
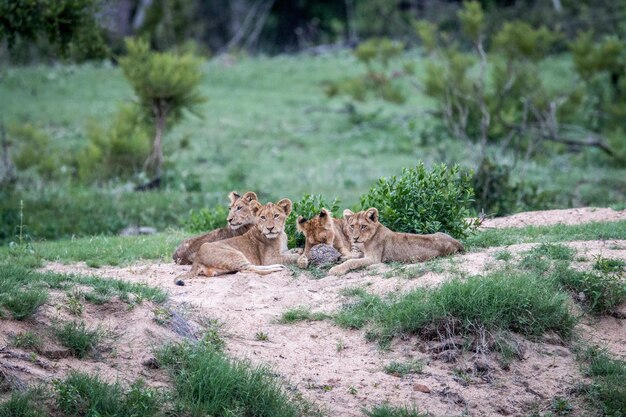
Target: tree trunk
<point x="155" y="160"/>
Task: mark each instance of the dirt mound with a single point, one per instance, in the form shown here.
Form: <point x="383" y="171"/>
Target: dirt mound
<point x="549" y="217"/>
<point x="341" y="371"/>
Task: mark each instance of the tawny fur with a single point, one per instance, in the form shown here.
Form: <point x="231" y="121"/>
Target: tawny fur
<point x="323" y="228"/>
<point x="259" y="250"/>
<point x="240" y="220"/>
<point x="383" y="245"/>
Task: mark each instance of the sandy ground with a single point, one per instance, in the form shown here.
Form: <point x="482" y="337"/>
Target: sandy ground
<point x="565" y="216"/>
<point x="338" y="368"/>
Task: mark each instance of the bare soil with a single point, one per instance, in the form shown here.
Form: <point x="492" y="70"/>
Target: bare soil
<point x="335" y="367"/>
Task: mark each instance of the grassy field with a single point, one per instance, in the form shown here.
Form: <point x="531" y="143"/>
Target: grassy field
<point x="267" y="126"/>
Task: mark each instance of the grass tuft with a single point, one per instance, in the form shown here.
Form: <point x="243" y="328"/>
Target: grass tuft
<point x="206" y="382"/>
<point x="607" y="391"/>
<point x="502" y="300"/>
<point x="22" y="404"/>
<point x="75" y="336"/>
<point x="297" y="314"/>
<point x="385" y="410"/>
<point x="84" y="395"/>
<point x="23" y="303"/>
<point x="402" y="369"/>
<point x="27" y="340"/>
<point x="608" y="265"/>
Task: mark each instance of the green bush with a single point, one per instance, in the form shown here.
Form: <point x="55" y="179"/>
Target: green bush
<point x="607" y="390"/>
<point x="307" y="207"/>
<point x="117" y="151"/>
<point x="206" y="219"/>
<point x="33" y="149"/>
<point x="424" y="201"/>
<point x="83" y="395"/>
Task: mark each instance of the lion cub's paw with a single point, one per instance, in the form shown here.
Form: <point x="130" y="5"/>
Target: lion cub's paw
<point x="303" y="262"/>
<point x="336" y="270"/>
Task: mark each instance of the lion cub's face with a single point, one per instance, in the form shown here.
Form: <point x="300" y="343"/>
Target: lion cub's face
<point x="239" y="213"/>
<point x="270" y="218"/>
<point x="318" y="229"/>
<point x="362" y="225"/>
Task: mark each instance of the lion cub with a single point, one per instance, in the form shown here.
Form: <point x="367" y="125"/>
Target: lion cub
<point x="259" y="250"/>
<point x="240" y="220"/>
<point x="383" y="245"/>
<point x="323" y="228"/>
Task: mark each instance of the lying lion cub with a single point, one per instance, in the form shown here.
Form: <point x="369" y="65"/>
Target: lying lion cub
<point x="383" y="245"/>
<point x="258" y="250"/>
<point x="240" y="220"/>
<point x="323" y="228"/>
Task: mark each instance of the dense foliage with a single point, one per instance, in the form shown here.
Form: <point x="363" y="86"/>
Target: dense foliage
<point x="424" y="201"/>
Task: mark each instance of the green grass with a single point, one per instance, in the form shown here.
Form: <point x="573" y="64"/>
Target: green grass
<point x="503" y="300"/>
<point x="602" y="291"/>
<point x="402" y="369"/>
<point x="16" y="279"/>
<point x="101" y="250"/>
<point x="80" y="395"/>
<point x="386" y="410"/>
<point x="608" y="265"/>
<point x="546" y="234"/>
<point x="297" y="314"/>
<point x="22" y="303"/>
<point x="22" y="404"/>
<point x="554" y="251"/>
<point x="607" y="391"/>
<point x="266" y="119"/>
<point x="503" y="255"/>
<point x="206" y="382"/>
<point x="80" y="340"/>
<point x="27" y="340"/>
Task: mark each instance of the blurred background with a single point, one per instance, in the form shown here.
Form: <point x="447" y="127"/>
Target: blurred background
<point x="148" y="112"/>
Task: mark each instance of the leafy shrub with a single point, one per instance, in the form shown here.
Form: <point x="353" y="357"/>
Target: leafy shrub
<point x="376" y="54"/>
<point x="424" y="201"/>
<point x="307" y="207"/>
<point x="498" y="194"/>
<point x="118" y="151"/>
<point x="206" y="219"/>
<point x="27" y="340"/>
<point x="83" y="395"/>
<point x="297" y="314"/>
<point x="33" y="150"/>
<point x="386" y="410"/>
<point x="166" y="84"/>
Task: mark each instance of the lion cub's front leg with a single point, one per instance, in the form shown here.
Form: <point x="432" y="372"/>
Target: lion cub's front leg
<point x="350" y="265"/>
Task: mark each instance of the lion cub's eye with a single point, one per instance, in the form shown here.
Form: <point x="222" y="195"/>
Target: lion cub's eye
<point x="275" y="216"/>
<point x="262" y="217"/>
<point x="351" y="227"/>
<point x="362" y="226"/>
<point x="238" y="208"/>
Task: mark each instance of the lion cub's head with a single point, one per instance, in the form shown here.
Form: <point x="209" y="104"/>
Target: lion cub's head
<point x="270" y="218"/>
<point x="318" y="229"/>
<point x="362" y="225"/>
<point x="239" y="213"/>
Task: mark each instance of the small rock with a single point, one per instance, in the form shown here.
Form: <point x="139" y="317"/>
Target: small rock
<point x="421" y="388"/>
<point x="137" y="230"/>
<point x="151" y="363"/>
<point x="323" y="254"/>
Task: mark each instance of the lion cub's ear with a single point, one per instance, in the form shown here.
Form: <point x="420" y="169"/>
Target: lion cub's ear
<point x="286" y="205"/>
<point x="249" y="196"/>
<point x="233" y="196"/>
<point x="372" y="214"/>
<point x="255" y="206"/>
<point x="347" y="213"/>
<point x="300" y="224"/>
<point x="326" y="217"/>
